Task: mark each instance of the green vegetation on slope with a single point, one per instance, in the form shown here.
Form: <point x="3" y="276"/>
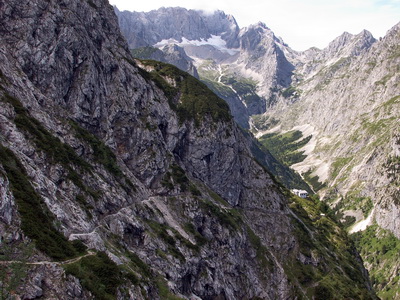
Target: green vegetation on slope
<point x="164" y="291"/>
<point x="220" y="89"/>
<point x="103" y="154"/>
<point x="283" y="173"/>
<point x="100" y="275"/>
<point x="290" y="92"/>
<point x="230" y="218"/>
<point x="380" y="250"/>
<point x="37" y="222"/>
<point x="245" y="88"/>
<point x="144" y="52"/>
<point x="284" y="146"/>
<point x="336" y="273"/>
<point x="195" y="100"/>
<point x="13" y="275"/>
<point x="354" y="201"/>
<point x="313" y="181"/>
<point x="55" y="151"/>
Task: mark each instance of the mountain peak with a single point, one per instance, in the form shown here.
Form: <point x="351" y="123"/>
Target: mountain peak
<point x="348" y="44"/>
<point x="393" y="33"/>
<point x="341" y="40"/>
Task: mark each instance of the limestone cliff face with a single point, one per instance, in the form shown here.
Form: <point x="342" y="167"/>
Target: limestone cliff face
<point x="264" y="53"/>
<point x="142" y="166"/>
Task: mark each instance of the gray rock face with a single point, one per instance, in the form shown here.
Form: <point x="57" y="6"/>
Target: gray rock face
<point x="181" y="204"/>
<point x="387" y="211"/>
<point x="345" y="95"/>
<point x="264" y="54"/>
<point x="144" y="29"/>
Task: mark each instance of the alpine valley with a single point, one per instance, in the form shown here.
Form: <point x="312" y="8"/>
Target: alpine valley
<point x="128" y="178"/>
<point x="331" y="114"/>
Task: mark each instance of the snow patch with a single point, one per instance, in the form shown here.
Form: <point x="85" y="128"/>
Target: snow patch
<point x="163" y="43"/>
<point x="215" y="40"/>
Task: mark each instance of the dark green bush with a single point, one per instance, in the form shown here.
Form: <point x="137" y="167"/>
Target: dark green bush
<point x="144" y="269"/>
<point x="200" y="240"/>
<point x="161" y="231"/>
<point x="314" y="181"/>
<point x="230" y="218"/>
<point x="99" y="274"/>
<point x="144" y="52"/>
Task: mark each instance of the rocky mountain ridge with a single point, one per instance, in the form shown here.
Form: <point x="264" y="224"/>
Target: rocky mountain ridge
<point x="144" y="165"/>
<point x="343" y="99"/>
<point x="252" y="56"/>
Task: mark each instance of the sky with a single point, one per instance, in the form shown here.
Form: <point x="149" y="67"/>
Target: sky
<point x="301" y="24"/>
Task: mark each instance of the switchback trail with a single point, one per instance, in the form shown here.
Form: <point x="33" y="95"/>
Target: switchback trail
<point x="60" y="263"/>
